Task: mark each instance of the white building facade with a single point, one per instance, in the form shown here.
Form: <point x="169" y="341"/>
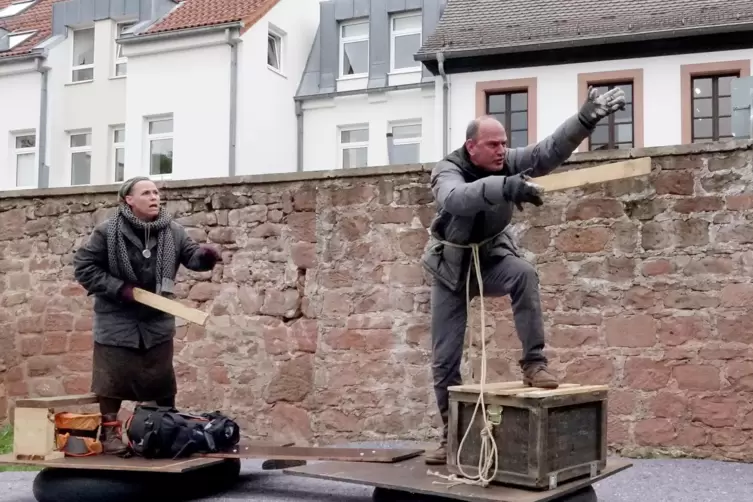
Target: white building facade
<point x="134" y="87"/>
<point x="364" y="100"/>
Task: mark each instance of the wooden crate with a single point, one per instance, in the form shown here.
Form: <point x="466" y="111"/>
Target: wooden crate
<point x="543" y="437"/>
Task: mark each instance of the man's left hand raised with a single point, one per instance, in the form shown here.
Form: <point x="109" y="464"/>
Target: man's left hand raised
<point x="599" y="106"/>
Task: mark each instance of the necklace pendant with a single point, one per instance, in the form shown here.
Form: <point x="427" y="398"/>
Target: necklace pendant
<point x="147" y="254"/>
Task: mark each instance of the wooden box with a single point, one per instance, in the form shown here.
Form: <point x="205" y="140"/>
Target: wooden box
<point x="34" y="431"/>
<point x="543" y="437"/>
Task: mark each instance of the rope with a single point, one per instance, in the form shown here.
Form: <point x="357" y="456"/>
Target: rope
<point x="488" y="454"/>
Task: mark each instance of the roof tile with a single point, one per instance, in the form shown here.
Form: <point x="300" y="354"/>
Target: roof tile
<point x="37" y="18"/>
<point x="491" y="24"/>
<point x="199" y="13"/>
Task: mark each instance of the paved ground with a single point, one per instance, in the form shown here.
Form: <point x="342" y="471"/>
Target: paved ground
<point x="646" y="481"/>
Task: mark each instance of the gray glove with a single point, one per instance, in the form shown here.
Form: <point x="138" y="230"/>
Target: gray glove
<point x="519" y="189"/>
<point x="597" y="107"/>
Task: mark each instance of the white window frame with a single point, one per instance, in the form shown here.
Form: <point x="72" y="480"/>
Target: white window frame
<point x="398" y="33"/>
<point x="17" y="152"/>
<point x="416" y="140"/>
<point x="341" y="147"/>
<point x="155" y="137"/>
<point x="15" y="8"/>
<point x="79" y="149"/>
<point x="74" y="67"/>
<point x="279" y="36"/>
<point x="16" y="39"/>
<point x="343" y="41"/>
<point x="117" y="57"/>
<point x="115" y="147"/>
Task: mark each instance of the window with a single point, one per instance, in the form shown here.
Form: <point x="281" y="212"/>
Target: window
<point x="712" y="108"/>
<point x="25" y="153"/>
<point x="15" y="8"/>
<point x="160" y="139"/>
<point x="274" y="51"/>
<point x="81" y="158"/>
<point x="354" y="49"/>
<point x="406" y="140"/>
<point x="615" y="132"/>
<point x="405" y="42"/>
<point x="118" y="150"/>
<point x="354" y="147"/>
<point x="83" y="55"/>
<point x="121" y="62"/>
<point x="511" y="109"/>
<point x="15" y="39"/>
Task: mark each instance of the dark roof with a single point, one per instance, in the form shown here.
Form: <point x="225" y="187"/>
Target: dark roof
<point x="476" y="27"/>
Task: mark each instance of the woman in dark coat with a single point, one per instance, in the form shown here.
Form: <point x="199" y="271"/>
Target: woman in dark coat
<point x="140" y="246"/>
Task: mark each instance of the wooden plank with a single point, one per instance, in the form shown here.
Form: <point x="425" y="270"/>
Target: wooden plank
<point x="579" y="178"/>
<point x="411" y="476"/>
<point x="34" y="433"/>
<point x="113" y="463"/>
<point x="505" y="388"/>
<point x="246" y="451"/>
<point x="169" y="306"/>
<point x="580" y="389"/>
<point x="56" y="401"/>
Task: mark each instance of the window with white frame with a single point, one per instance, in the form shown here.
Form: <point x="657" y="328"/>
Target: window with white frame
<point x="15" y="8"/>
<point x="354" y="146"/>
<point x="118" y="153"/>
<point x="274" y="51"/>
<point x="16" y="39"/>
<point x="25" y="155"/>
<point x="160" y="141"/>
<point x="406" y="142"/>
<point x="354" y="49"/>
<point x="121" y="62"/>
<point x="80" y="144"/>
<point x="83" y="55"/>
<point x="405" y="41"/>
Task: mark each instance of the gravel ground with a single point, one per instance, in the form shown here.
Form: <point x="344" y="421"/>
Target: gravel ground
<point x="646" y="481"/>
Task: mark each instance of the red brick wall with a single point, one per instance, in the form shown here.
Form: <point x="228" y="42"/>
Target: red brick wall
<point x="646" y="286"/>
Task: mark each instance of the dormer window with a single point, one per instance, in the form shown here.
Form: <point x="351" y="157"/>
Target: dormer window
<point x="16" y="39"/>
<point x="15" y="8"/>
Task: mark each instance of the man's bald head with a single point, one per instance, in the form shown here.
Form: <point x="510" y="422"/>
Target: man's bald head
<point x="486" y="142"/>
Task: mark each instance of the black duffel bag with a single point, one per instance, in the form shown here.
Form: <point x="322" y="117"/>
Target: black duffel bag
<point x="164" y="432"/>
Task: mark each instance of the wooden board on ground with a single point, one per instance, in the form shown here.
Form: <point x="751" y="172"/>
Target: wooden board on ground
<point x="170" y="306"/>
<point x="249" y="450"/>
<point x="411" y="476"/>
<point x="113" y="463"/>
<point x="578" y="178"/>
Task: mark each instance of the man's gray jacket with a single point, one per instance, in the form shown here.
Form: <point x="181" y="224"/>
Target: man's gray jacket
<point x="471" y="207"/>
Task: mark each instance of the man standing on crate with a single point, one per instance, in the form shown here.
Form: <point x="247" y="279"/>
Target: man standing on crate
<point x="476" y="188"/>
<point x="140" y="246"/>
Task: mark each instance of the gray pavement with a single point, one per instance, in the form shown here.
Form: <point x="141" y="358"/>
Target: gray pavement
<point x="646" y="481"/>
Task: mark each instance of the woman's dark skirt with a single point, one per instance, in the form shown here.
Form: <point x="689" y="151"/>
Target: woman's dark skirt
<point x="134" y="374"/>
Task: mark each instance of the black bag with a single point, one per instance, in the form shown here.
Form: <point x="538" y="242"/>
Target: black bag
<point x="164" y="432"/>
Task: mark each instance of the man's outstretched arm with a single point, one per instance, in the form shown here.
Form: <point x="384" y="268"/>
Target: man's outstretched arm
<point x="548" y="154"/>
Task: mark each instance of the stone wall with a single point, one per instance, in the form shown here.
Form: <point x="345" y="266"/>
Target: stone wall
<point x="320" y="329"/>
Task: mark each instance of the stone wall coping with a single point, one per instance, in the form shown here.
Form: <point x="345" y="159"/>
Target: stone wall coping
<point x="375" y="171"/>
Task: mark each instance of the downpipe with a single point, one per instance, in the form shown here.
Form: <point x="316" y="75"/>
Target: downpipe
<point x="445" y="104"/>
<point x="43" y="171"/>
<point x="233" y="118"/>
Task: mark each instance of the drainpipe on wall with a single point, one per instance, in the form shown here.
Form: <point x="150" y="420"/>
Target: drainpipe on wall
<point x="390" y="148"/>
<point x="299" y="131"/>
<point x="43" y="172"/>
<point x="233" y="129"/>
<point x="445" y="106"/>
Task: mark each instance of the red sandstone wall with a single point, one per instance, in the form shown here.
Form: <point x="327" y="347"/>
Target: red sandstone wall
<point x="646" y="286"/>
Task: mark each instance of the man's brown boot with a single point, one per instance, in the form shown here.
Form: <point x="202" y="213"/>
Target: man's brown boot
<point x="438" y="456"/>
<point x="112" y="444"/>
<point x="538" y="375"/>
